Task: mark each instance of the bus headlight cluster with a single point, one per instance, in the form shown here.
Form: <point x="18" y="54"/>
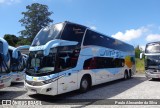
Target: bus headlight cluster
<point x="49" y="81"/>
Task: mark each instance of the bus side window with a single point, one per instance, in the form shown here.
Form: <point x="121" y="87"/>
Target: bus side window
<point x="103" y="62"/>
<point x="67" y="57"/>
<point x="90" y="63"/>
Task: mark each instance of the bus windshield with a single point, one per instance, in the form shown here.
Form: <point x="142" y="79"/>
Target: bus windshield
<point x="4" y="63"/>
<point x="16" y="64"/>
<point x="153" y="48"/>
<point x="46" y="34"/>
<point x="60" y="58"/>
<point x="41" y="64"/>
<point x="71" y="32"/>
<point x="152" y="62"/>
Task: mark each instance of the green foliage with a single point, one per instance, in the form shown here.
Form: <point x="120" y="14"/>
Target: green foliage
<point x="139" y="65"/>
<point x="23" y="41"/>
<point x="16" y="41"/>
<point x="137" y="52"/>
<point x="11" y="39"/>
<point x="35" y="18"/>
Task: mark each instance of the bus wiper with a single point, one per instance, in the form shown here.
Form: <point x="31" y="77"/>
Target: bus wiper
<point x="152" y="67"/>
<point x="44" y="72"/>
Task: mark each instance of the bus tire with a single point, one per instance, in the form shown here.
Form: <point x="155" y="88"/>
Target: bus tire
<point x="125" y="75"/>
<point x="85" y="84"/>
<point x="130" y="74"/>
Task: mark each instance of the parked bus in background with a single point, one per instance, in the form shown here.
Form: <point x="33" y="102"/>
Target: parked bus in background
<point x="67" y="56"/>
<point x="17" y="65"/>
<point x="5" y="77"/>
<point x="152" y="60"/>
<point x="25" y="58"/>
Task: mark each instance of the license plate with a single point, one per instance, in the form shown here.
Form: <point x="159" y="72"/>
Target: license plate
<point x="2" y="86"/>
<point x="17" y="79"/>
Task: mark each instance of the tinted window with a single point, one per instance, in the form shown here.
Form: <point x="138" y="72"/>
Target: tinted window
<point x="73" y="32"/>
<point x="16" y="64"/>
<point x="93" y="38"/>
<point x="67" y="57"/>
<point x="46" y="34"/>
<point x="40" y="65"/>
<point x="4" y="63"/>
<point x="153" y="48"/>
<point x="101" y="62"/>
<point x="152" y="62"/>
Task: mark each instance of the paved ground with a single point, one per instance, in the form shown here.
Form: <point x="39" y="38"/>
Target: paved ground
<point x="139" y="87"/>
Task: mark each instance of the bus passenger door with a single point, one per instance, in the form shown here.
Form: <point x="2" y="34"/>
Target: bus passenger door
<point x="68" y="76"/>
<point x="67" y="81"/>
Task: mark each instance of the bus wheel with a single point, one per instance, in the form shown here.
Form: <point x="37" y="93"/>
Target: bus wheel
<point x="125" y="75"/>
<point x="130" y="74"/>
<point x="84" y="85"/>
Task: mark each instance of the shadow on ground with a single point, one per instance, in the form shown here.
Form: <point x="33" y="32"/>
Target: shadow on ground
<point x="6" y="94"/>
<point x="17" y="84"/>
<point x="11" y="91"/>
<point x="155" y="79"/>
<point x="95" y="94"/>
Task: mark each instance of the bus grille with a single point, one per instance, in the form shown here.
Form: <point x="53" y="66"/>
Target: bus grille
<point x="33" y="83"/>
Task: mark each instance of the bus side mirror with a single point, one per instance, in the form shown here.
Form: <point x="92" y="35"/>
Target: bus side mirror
<point x="141" y="56"/>
<point x="15" y="51"/>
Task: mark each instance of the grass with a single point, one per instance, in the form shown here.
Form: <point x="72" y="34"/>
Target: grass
<point x="140" y="65"/>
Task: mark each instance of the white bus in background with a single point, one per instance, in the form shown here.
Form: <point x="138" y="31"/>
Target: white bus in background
<point x="17" y="65"/>
<point x="152" y="60"/>
<point x="5" y="77"/>
<point x="25" y="58"/>
<point x="67" y="56"/>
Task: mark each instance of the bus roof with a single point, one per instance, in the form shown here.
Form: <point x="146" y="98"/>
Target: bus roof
<point x="68" y="22"/>
<point x="157" y="42"/>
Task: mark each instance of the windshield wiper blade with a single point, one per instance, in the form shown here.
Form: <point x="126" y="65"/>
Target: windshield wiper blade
<point x="43" y="72"/>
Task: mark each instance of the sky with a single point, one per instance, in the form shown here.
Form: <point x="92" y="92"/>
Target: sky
<point x="136" y="22"/>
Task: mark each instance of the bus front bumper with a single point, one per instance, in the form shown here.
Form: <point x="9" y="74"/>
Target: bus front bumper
<point x="47" y="89"/>
<point x="150" y="74"/>
<point x="17" y="76"/>
<point x="5" y="83"/>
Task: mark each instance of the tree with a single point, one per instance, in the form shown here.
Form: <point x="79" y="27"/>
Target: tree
<point x="137" y="51"/>
<point x="23" y="41"/>
<point x="35" y="18"/>
<point x="11" y="39"/>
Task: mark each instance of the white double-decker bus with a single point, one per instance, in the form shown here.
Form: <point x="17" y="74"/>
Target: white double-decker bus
<point x="5" y="77"/>
<point x="17" y="65"/>
<point x="152" y="60"/>
<point x="67" y="56"/>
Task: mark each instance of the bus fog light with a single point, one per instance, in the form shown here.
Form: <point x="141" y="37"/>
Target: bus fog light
<point x="48" y="89"/>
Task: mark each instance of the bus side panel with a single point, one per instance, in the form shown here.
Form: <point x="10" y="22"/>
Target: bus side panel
<point x="68" y="81"/>
<point x="110" y="74"/>
<point x="119" y="73"/>
<point x="5" y="81"/>
<point x="104" y="75"/>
